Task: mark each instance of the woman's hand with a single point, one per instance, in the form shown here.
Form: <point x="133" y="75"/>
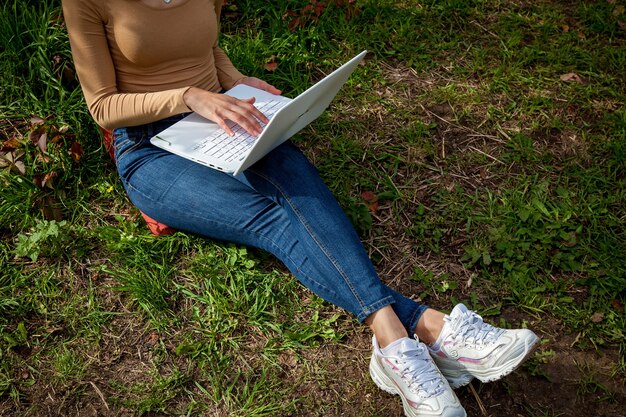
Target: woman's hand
<point x="260" y="84"/>
<point x="220" y="108"/>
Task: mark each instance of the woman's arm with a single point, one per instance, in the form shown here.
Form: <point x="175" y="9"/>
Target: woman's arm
<point x="110" y="108"/>
<point x="85" y="24"/>
<point x="227" y="74"/>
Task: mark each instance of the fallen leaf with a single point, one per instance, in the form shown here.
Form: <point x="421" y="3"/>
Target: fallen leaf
<point x="39" y="138"/>
<point x="20" y="167"/>
<point x="287" y="359"/>
<point x="50" y="208"/>
<point x="319" y="8"/>
<point x="565" y="28"/>
<point x="12" y="161"/>
<point x="152" y="339"/>
<point x="294" y="23"/>
<point x="597" y="317"/>
<point x="36" y="120"/>
<point x="76" y="151"/>
<point x="271" y="66"/>
<point x="46" y="180"/>
<point x="38" y="180"/>
<point x="622" y="25"/>
<point x="43" y="158"/>
<point x="618" y="10"/>
<point x="11" y="144"/>
<point x="57" y="138"/>
<point x="617" y="305"/>
<point x="371" y="200"/>
<point x="572" y="77"/>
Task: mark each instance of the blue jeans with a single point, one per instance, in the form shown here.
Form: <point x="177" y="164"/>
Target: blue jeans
<point x="280" y="205"/>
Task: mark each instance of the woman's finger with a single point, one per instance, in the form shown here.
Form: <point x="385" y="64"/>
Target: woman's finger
<point x="244" y="119"/>
<point x="252" y="108"/>
<point x="222" y="123"/>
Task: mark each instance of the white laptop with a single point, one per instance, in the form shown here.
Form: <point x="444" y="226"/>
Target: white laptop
<point x="203" y="141"/>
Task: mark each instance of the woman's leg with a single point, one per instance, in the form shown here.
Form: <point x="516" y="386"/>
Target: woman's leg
<point x="282" y="206"/>
<point x="279" y="205"/>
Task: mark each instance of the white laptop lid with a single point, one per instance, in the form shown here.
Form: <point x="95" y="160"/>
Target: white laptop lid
<point x="181" y="137"/>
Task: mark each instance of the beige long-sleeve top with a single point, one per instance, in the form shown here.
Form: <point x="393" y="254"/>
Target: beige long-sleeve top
<point x="135" y="62"/>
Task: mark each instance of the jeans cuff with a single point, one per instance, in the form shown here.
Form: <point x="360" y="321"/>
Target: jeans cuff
<point x="367" y="311"/>
<point x="415" y="319"/>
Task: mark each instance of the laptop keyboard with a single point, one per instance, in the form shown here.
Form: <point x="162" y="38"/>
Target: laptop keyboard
<point x="228" y="148"/>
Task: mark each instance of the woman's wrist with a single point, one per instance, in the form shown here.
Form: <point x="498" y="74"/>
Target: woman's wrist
<point x="192" y="96"/>
<point x="241" y="81"/>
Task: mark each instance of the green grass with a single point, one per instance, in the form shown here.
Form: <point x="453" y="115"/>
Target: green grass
<point x="498" y="184"/>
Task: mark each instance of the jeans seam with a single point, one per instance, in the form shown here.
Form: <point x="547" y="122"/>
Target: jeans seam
<point x="129" y="150"/>
<point x="315" y="239"/>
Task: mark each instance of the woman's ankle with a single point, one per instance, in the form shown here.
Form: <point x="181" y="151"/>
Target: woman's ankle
<point x="429" y="326"/>
<point x="386" y="326"/>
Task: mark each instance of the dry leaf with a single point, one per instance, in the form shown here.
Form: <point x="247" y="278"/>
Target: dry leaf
<point x="11" y="144"/>
<point x="57" y="138"/>
<point x="294" y="23"/>
<point x="152" y="339"/>
<point x="20" y="167"/>
<point x="46" y="180"/>
<point x="36" y="120"/>
<point x="43" y="158"/>
<point x="572" y="77"/>
<point x="76" y="151"/>
<point x="12" y="161"/>
<point x="622" y="25"/>
<point x="39" y="137"/>
<point x="271" y="64"/>
<point x="371" y="200"/>
<point x="597" y="317"/>
<point x="50" y="208"/>
<point x="618" y="10"/>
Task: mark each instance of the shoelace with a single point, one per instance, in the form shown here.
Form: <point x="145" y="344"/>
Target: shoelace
<point x="471" y="326"/>
<point x="420" y="373"/>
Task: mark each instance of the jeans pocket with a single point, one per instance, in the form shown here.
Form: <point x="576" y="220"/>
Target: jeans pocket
<point x="127" y="140"/>
<point x="121" y="143"/>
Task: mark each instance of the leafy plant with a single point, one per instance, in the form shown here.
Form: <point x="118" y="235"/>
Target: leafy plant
<point x="529" y="234"/>
<point x="47" y="238"/>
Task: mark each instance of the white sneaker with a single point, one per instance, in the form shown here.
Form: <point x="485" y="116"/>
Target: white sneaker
<point x="405" y="368"/>
<point x="467" y="348"/>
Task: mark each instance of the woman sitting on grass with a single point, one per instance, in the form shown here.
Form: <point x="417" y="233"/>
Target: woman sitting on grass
<point x="144" y="64"/>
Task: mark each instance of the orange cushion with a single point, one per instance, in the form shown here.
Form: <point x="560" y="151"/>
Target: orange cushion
<point x="158" y="229"/>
